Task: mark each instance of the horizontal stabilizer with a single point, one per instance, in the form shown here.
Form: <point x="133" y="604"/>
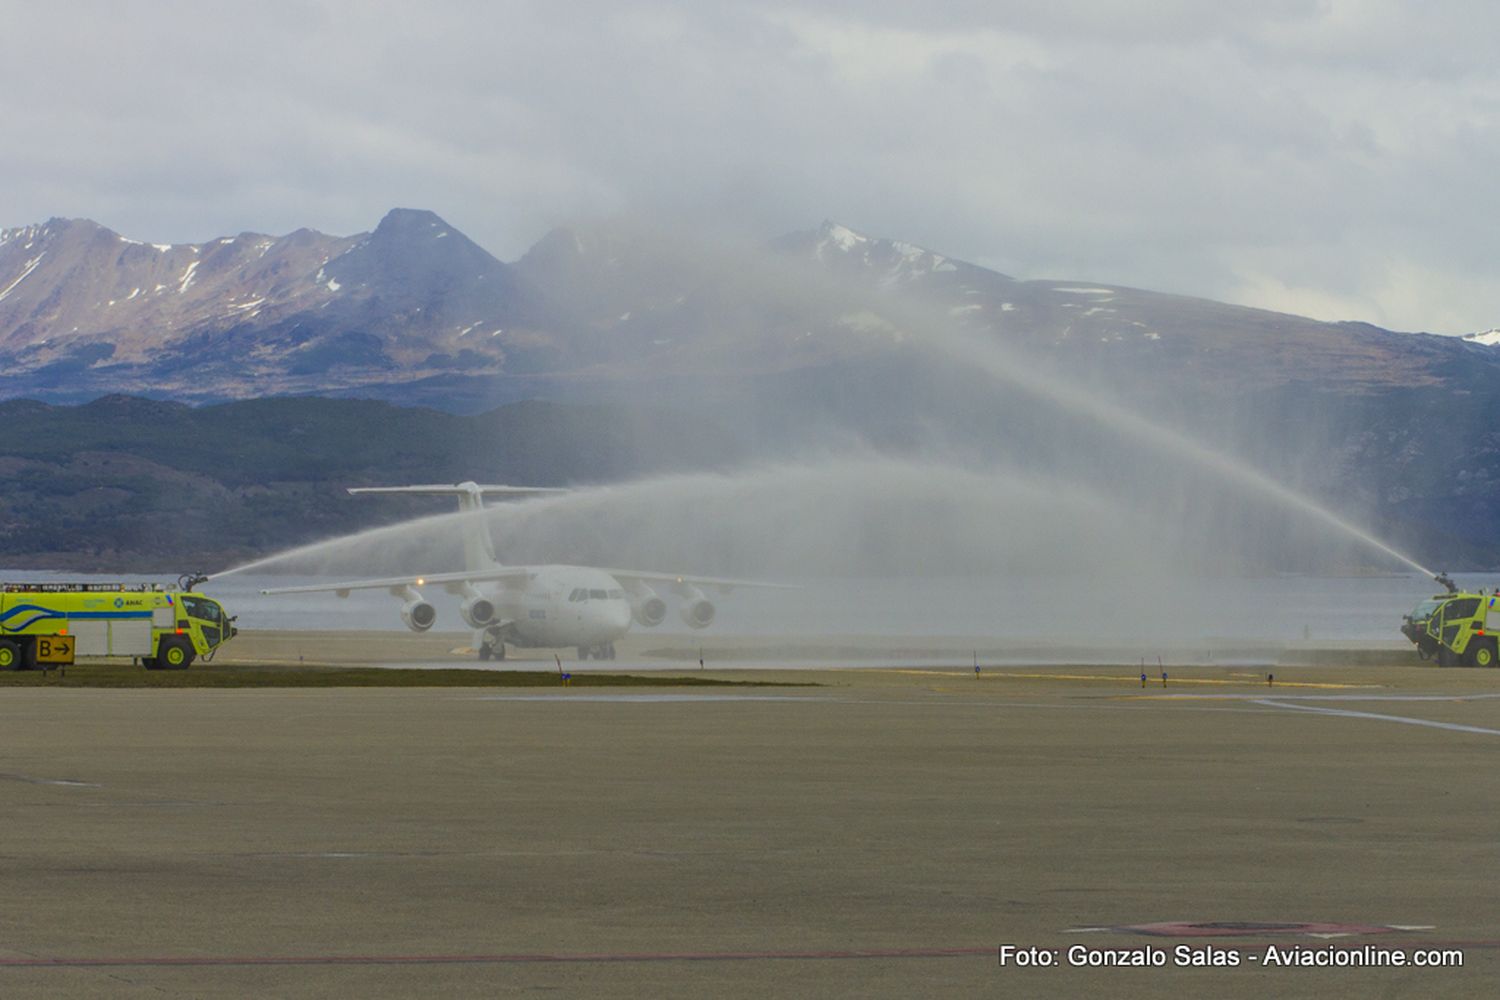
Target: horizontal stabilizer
<point x="462" y="490"/>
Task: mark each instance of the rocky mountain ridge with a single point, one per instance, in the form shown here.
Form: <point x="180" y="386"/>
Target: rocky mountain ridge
<point x="826" y="339"/>
<point x="87" y="310"/>
<point x="415" y="311"/>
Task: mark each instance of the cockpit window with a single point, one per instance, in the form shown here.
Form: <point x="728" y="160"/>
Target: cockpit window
<point x="585" y="594"/>
<point x="201" y="608"/>
<point x="1425" y="609"/>
<point x="1464" y="607"/>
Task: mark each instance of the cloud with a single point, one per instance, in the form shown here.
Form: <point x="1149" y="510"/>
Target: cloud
<point x="1338" y="148"/>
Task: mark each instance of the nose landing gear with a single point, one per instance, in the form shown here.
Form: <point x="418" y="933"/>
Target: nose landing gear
<point x="603" y="652"/>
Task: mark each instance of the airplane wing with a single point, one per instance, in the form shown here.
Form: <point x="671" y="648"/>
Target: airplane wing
<point x="680" y="580"/>
<point x="396" y="584"/>
<point x="517" y="574"/>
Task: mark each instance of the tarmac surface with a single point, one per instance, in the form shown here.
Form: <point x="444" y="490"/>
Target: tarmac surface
<point x="881" y="834"/>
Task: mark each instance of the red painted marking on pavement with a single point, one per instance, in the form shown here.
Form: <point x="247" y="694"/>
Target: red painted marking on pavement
<point x="706" y="956"/>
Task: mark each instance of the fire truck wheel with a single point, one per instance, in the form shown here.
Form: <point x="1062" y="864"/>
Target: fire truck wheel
<point x="1484" y="655"/>
<point x="174" y="653"/>
<point x="10" y="655"/>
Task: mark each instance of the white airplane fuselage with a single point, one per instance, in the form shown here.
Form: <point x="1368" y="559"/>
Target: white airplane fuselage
<point x="563" y="606"/>
<point x="546" y="607"/>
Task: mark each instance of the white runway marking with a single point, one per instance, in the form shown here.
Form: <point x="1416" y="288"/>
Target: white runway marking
<point x="1406" y="720"/>
<point x="1216" y="696"/>
<point x="644" y="697"/>
<point x="1383" y="697"/>
<point x="30" y="780"/>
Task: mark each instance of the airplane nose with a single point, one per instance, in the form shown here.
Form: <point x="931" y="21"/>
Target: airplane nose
<point x="619" y="617"/>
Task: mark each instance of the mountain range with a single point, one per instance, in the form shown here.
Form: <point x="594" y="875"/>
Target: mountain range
<point x="819" y="339"/>
<point x="416" y="312"/>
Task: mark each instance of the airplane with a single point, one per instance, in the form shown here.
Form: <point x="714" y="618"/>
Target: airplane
<point x="532" y="607"/>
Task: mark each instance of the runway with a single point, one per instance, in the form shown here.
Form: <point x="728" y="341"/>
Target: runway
<point x="881" y="834"/>
<point x="647" y="651"/>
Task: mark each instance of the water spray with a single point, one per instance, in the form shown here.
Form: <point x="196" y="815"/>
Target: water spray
<point x="383" y="534"/>
<point x="999" y="363"/>
<point x="836" y="515"/>
<point x="776" y="277"/>
<point x="794" y="506"/>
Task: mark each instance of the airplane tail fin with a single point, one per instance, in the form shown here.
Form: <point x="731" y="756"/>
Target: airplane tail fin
<point x="479" y="553"/>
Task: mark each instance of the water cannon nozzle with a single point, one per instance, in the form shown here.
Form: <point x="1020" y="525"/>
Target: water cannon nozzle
<point x="1447" y="581"/>
<point x="188" y="581"/>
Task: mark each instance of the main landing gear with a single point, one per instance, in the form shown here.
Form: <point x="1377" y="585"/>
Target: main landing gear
<point x="604" y="652"/>
<point x="492" y="646"/>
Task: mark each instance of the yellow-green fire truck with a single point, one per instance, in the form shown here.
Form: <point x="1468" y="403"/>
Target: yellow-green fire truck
<point x="1456" y="628"/>
<point x="47" y="624"/>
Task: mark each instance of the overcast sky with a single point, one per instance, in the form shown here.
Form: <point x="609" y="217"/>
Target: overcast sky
<point x="1335" y="158"/>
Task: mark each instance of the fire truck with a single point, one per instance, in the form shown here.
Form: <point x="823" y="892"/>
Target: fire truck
<point x="1455" y="628"/>
<point x="164" y="628"/>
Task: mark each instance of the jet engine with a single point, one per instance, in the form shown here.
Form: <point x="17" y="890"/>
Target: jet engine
<point x="648" y="609"/>
<point x="697" y="611"/>
<point x="418" y="615"/>
<point x="477" y="612"/>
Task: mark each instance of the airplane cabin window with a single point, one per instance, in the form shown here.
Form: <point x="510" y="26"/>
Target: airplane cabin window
<point x="578" y="594"/>
<point x="616" y="594"/>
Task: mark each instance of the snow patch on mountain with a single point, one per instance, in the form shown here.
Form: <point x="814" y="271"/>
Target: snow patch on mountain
<point x="26" y="270"/>
<point x="187" y="277"/>
<point x="1488" y="338"/>
<point x="841" y="236"/>
<point x="897" y="261"/>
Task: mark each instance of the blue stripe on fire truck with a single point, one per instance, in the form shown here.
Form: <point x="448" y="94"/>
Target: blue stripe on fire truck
<point x="6" y="625"/>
